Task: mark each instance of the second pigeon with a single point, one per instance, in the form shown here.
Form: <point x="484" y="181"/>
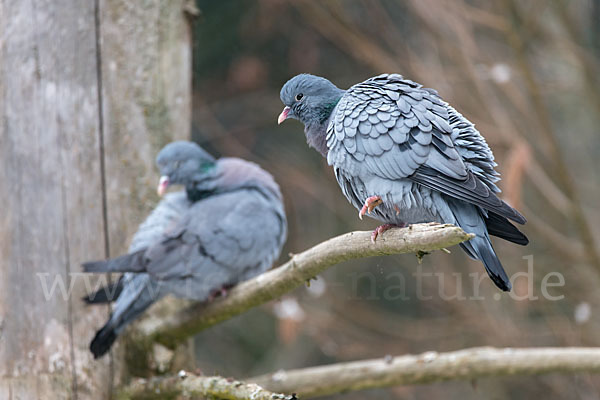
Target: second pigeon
<point x="227" y="226"/>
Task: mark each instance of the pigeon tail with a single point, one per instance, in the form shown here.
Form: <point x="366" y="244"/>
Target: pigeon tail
<point x="482" y="247"/>
<point x="103" y="340"/>
<point x="133" y="262"/>
<point x="469" y="218"/>
<point x="501" y="227"/>
<point x="139" y="294"/>
<point x="106" y="294"/>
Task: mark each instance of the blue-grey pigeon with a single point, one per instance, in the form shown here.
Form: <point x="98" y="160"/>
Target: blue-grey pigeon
<point x="227" y="226"/>
<point x="403" y="155"/>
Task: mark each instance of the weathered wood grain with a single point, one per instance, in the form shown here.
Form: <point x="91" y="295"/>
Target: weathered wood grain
<point x="146" y="81"/>
<point x="51" y="190"/>
<point x="51" y="135"/>
<point x="146" y="74"/>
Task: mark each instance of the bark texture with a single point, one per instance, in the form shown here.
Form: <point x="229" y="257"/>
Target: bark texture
<point x="173" y="325"/>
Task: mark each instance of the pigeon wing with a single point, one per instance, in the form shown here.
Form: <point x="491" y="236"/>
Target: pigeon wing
<point x="393" y="128"/>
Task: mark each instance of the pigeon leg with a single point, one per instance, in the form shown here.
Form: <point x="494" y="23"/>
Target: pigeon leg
<point x="213" y="295"/>
<point x="370" y="204"/>
<point x="382" y="228"/>
<point x="222" y="292"/>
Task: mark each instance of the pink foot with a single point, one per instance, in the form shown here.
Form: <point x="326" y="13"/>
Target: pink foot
<point x="370" y="204"/>
<point x="222" y="292"/>
<point x="382" y="228"/>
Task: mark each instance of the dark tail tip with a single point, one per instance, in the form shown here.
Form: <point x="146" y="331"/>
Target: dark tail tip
<point x="502" y="284"/>
<point x="494" y="268"/>
<point x="103" y="341"/>
<point x="485" y="252"/>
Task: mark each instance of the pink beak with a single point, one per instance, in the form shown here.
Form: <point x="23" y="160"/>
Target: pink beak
<point x="163" y="184"/>
<point x="283" y="115"/>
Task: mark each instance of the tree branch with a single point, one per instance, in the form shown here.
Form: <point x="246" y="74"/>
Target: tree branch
<point x="430" y="367"/>
<point x="186" y="386"/>
<point x="179" y="324"/>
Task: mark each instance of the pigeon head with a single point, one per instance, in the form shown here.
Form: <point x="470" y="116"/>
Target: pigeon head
<point x="183" y="163"/>
<point x="308" y="98"/>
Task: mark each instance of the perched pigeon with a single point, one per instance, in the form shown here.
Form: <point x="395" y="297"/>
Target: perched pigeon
<point x="227" y="226"/>
<point x="403" y="155"/>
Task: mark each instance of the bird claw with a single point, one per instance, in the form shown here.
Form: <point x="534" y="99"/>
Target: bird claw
<point x="370" y="203"/>
<point x="379" y="230"/>
<point x="222" y="292"/>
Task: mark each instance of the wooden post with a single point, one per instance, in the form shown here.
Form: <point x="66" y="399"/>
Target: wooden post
<point x="89" y="91"/>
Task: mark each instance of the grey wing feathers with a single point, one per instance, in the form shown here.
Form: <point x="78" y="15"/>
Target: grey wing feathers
<point x="473" y="148"/>
<point x="395" y="129"/>
<point x="221" y="240"/>
<point x="393" y="126"/>
<point x="166" y="214"/>
<point x="471" y="190"/>
<point x="218" y="241"/>
<point x="249" y="234"/>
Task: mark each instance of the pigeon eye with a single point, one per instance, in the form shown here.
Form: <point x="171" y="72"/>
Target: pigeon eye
<point x="299" y="96"/>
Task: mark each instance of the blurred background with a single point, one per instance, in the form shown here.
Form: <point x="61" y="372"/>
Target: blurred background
<point x="526" y="73"/>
